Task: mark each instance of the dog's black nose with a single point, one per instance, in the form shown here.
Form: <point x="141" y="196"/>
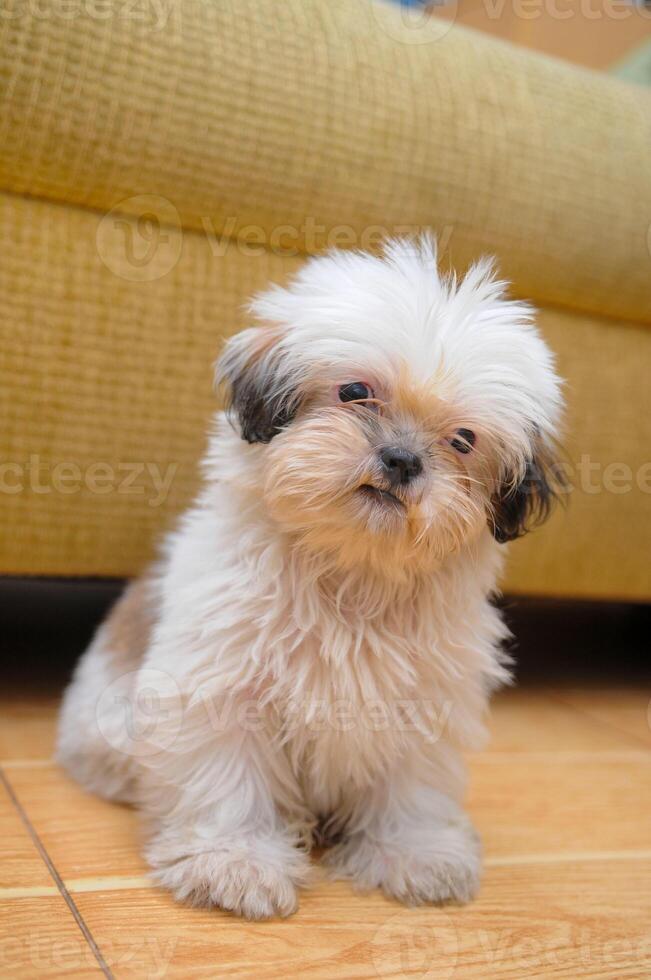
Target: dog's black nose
<point x="401" y="465"/>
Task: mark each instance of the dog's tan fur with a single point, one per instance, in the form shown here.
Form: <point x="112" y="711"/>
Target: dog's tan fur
<point x="315" y="573"/>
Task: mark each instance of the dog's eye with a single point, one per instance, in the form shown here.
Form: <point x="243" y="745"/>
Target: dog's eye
<point x="354" y="391"/>
<point x="464" y="440"/>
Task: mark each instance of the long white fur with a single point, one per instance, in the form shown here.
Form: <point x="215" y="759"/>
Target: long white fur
<point x="295" y="628"/>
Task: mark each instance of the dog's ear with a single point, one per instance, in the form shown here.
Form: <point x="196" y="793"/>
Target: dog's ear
<point x="520" y="505"/>
<point x="259" y="392"/>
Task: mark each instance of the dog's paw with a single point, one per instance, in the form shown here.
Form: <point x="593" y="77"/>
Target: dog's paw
<point x="251" y="877"/>
<point x="444" y="868"/>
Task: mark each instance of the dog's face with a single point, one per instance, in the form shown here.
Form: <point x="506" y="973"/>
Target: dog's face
<point x="395" y="415"/>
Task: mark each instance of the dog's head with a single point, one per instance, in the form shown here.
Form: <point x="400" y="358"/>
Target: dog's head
<point x="393" y="413"/>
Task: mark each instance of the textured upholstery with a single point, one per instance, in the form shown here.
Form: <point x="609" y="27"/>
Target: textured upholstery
<point x="128" y="147"/>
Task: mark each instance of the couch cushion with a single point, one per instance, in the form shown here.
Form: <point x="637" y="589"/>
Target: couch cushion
<point x="331" y="120"/>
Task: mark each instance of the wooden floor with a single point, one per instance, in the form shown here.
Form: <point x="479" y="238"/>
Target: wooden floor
<point x="562" y="798"/>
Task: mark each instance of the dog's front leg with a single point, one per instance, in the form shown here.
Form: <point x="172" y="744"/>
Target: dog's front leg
<point x="412" y="841"/>
<point x="217" y="792"/>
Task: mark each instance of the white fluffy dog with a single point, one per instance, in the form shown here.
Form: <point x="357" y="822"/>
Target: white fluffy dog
<point x="318" y="642"/>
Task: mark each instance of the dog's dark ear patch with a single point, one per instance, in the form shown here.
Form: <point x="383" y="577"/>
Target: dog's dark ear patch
<point x="255" y="394"/>
<point x="520" y="507"/>
<point x="261" y="417"/>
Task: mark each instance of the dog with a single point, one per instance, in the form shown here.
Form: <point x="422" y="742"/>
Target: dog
<point x="318" y="642"/>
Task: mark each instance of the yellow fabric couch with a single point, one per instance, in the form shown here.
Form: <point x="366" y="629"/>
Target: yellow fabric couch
<point x="158" y="164"/>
